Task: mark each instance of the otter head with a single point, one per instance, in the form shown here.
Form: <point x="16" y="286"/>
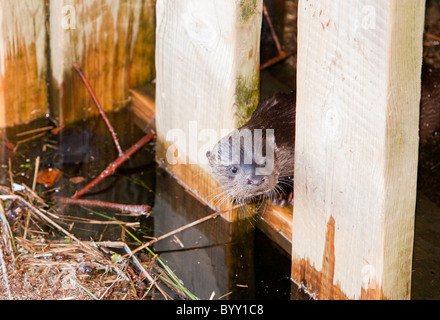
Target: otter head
<point x="244" y="163"/>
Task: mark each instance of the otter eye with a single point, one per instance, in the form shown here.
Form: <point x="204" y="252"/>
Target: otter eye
<point x="234" y="170"/>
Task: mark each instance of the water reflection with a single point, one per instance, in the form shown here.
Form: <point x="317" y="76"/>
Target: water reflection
<point x="213" y="259"/>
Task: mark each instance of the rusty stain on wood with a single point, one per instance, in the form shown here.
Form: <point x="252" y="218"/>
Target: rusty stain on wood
<point x="355" y="174"/>
<point x="23" y="92"/>
<point x="320" y="284"/>
<point x="328" y="261"/>
<point x="113" y="42"/>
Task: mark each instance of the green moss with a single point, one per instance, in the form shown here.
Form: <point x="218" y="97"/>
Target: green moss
<point x="247" y="95"/>
<point x="248" y="9"/>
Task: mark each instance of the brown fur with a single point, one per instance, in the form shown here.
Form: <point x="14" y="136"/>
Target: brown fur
<point x="277" y="113"/>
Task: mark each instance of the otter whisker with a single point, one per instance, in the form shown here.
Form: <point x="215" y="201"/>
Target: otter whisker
<point x="243" y="181"/>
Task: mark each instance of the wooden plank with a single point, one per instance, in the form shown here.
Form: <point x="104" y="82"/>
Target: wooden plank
<point x="207" y="64"/>
<point x="359" y="65"/>
<point x="143" y="106"/>
<point x="276" y="223"/>
<point x="112" y="41"/>
<point x="213" y="267"/>
<point x="23" y="65"/>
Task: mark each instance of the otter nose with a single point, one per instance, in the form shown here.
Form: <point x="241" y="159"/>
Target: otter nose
<point x="256" y="180"/>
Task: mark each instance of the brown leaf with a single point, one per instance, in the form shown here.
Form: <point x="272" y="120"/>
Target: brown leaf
<point x="48" y="177"/>
<point x="77" y="179"/>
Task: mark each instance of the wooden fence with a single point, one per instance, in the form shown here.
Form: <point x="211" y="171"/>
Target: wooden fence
<point x="113" y="42"/>
<point x="358" y="95"/>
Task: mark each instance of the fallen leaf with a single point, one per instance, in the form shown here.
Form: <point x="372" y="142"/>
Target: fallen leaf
<point x="76" y="179"/>
<point x="48" y="177"/>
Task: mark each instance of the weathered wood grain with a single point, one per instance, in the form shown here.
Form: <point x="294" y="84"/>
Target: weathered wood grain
<point x="359" y="66"/>
<point x="111" y="40"/>
<point x="23" y="64"/>
<point x="207" y="61"/>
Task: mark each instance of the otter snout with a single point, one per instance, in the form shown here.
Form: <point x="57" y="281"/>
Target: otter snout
<point x="256" y="180"/>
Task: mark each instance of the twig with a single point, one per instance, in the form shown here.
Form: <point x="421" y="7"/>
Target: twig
<point x="281" y="56"/>
<point x="90" y="221"/>
<point x="189" y="225"/>
<point x="104" y="294"/>
<point x="132" y="208"/>
<point x="34" y="131"/>
<point x="26" y="225"/>
<point x="101" y="110"/>
<point x="144" y="272"/>
<point x="432" y="36"/>
<point x="123" y="245"/>
<point x="37" y="166"/>
<point x="272" y="29"/>
<point x="151" y="286"/>
<point x="83" y="288"/>
<point x="54" y="224"/>
<point x="32" y="195"/>
<point x="225" y="295"/>
<point x="5" y="274"/>
<point x="31" y="138"/>
<point x="281" y="53"/>
<point x="44" y="217"/>
<point x="7" y="232"/>
<point x="11" y="176"/>
<point x="122" y="156"/>
<point x="115" y="164"/>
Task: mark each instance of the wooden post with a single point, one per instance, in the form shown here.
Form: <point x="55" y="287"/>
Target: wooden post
<point x="359" y="65"/>
<point x="207" y="65"/>
<point x="112" y="41"/>
<point x="23" y="65"/>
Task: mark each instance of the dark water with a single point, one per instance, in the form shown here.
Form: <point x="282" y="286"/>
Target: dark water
<point x="219" y="257"/>
<point x="213" y="259"/>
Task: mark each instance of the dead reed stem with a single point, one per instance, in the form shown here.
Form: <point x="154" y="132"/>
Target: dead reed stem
<point x="131" y="208"/>
<point x="115" y="164"/>
<point x="189" y="225"/>
<point x="101" y="110"/>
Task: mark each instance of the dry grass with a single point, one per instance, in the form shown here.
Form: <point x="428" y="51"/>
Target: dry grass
<point x="39" y="259"/>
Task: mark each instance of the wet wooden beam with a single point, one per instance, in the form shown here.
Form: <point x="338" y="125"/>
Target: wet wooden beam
<point x="359" y="65"/>
<point x="113" y="43"/>
<point x="207" y="63"/>
<point x="23" y="64"/>
<point x="143" y="107"/>
<point x="276" y="223"/>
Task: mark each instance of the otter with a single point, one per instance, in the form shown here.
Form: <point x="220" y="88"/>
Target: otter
<point x="270" y="174"/>
<point x="242" y="181"/>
